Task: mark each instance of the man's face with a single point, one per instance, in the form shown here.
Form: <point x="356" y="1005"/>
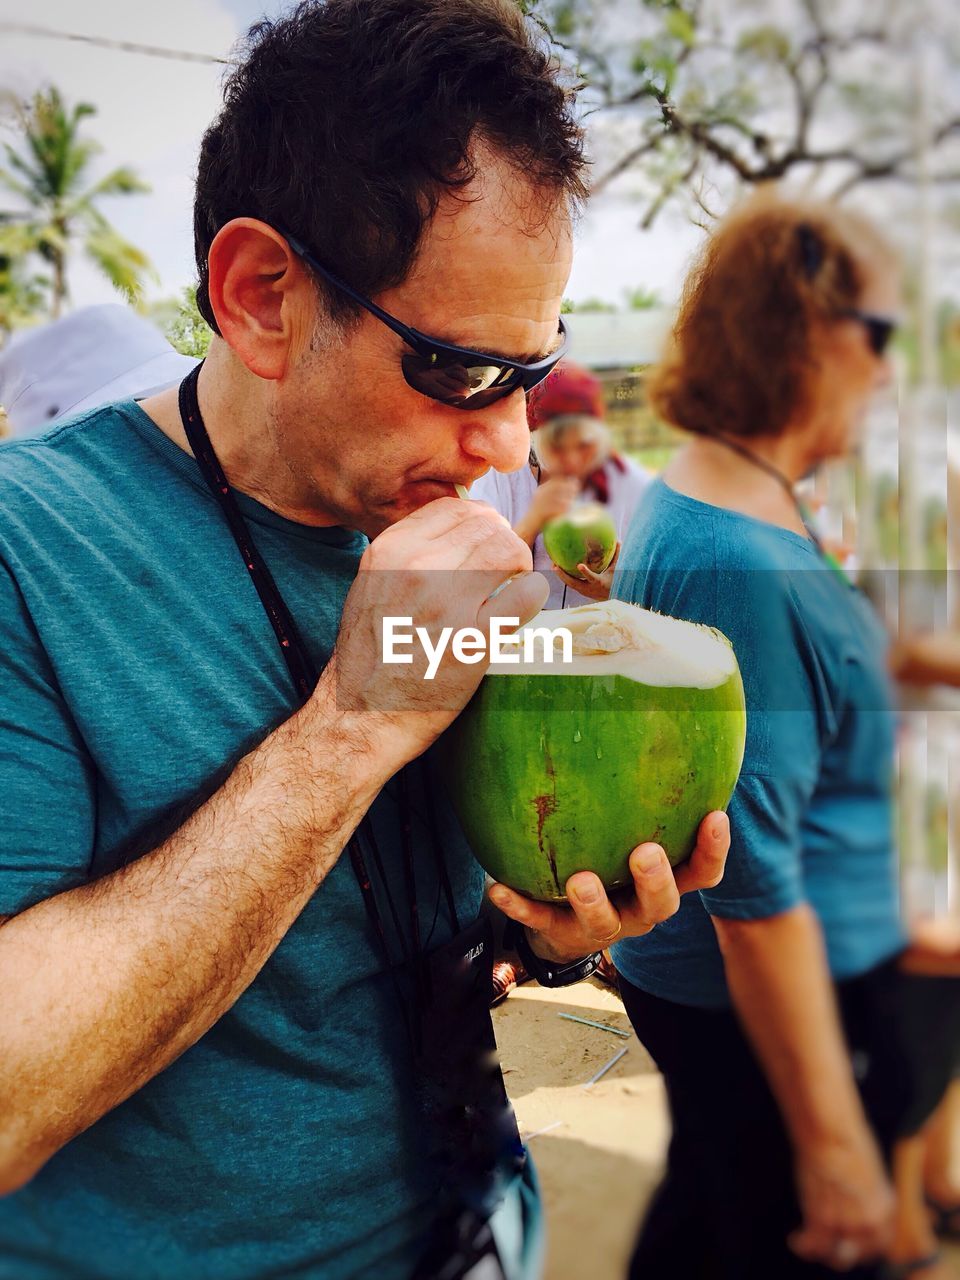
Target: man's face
<point x="359" y="444"/>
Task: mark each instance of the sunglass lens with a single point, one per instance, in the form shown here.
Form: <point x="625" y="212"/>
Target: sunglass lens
<point x="459" y="384"/>
<point x="880" y="332"/>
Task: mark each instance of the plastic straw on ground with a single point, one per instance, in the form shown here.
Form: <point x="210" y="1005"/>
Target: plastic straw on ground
<point x="601" y="1026"/>
<point x="605" y="1068"/>
<point x="557" y="1124"/>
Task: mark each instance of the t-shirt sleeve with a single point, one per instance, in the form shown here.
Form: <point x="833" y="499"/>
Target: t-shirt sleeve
<point x="46" y="775"/>
<point x="791" y="713"/>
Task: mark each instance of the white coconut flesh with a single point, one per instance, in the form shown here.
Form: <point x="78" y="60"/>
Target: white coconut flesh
<point x="586" y="514"/>
<point x="616" y="638"/>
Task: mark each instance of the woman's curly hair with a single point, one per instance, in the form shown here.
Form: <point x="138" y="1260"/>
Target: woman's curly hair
<point x="742" y="356"/>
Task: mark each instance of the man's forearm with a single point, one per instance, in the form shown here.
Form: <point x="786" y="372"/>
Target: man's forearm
<point x="105" y="985"/>
<point x="780" y="984"/>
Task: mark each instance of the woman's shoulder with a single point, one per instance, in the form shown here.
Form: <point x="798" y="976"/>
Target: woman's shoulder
<point x="675" y="526"/>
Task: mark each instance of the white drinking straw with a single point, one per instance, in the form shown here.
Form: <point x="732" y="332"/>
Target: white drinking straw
<point x="605" y="1068"/>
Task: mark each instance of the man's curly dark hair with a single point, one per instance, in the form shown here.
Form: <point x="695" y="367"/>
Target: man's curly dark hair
<point x="347" y="120"/>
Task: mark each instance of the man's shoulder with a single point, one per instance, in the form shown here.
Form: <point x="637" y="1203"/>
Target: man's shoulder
<point x="72" y="437"/>
<point x="70" y="462"/>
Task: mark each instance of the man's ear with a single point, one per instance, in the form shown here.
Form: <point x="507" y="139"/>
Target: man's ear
<point x="261" y="295"/>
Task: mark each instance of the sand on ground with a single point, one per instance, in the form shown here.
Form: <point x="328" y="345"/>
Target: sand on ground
<point x="599" y="1150"/>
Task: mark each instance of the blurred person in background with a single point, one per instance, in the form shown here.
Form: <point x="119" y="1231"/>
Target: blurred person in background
<point x="785" y="978"/>
<point x="87" y="358"/>
<point x="930" y="658"/>
<point x="572" y="459"/>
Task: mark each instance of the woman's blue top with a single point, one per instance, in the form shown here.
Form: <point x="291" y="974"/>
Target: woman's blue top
<point x="812" y="815"/>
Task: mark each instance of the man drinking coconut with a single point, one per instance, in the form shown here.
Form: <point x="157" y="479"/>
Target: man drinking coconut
<point x="244" y="994"/>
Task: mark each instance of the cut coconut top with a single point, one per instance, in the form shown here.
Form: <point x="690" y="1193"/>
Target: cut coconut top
<point x="587" y="513"/>
<point x="616" y="638"/>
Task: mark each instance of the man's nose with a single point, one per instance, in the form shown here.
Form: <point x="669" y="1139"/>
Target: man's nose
<point x="499" y="435"/>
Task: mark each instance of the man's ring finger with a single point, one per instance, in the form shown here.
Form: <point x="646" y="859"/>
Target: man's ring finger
<point x="605" y="942"/>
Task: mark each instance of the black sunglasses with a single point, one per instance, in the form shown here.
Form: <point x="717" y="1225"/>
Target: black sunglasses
<point x="879" y="329"/>
<point x="456" y="376"/>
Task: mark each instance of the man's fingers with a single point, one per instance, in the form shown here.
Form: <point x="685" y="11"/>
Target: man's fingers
<point x="521" y="597"/>
<point x="598" y="917"/>
<point x="435" y="521"/>
<point x="705" y="867"/>
<point x="539" y="916"/>
<point x="656" y="896"/>
<point x="432" y="520"/>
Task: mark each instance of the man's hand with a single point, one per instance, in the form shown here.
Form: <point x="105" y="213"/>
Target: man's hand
<point x="439" y="566"/>
<point x="847" y="1205"/>
<point x="594" y="585"/>
<point x="592" y="921"/>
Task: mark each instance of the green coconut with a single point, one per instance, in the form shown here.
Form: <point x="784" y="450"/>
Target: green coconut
<point x="559" y="767"/>
<point x="585" y="535"/>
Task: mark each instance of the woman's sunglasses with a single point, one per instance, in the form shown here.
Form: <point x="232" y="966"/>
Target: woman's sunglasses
<point x="455" y="376"/>
<point x="879" y="329"/>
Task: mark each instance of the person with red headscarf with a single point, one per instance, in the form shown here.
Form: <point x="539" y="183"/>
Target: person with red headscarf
<point x="572" y="460"/>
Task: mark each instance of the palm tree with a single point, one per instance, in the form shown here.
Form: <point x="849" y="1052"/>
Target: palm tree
<point x="49" y="174"/>
<point x="22" y="292"/>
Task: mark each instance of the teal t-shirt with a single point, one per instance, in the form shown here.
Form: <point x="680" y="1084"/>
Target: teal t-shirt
<point x="812" y="815"/>
<point x="136" y="666"/>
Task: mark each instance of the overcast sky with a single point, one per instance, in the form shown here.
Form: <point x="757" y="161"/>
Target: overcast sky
<point x="152" y="113"/>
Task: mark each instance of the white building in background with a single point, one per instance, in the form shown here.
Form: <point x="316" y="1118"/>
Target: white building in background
<point x="618" y="339"/>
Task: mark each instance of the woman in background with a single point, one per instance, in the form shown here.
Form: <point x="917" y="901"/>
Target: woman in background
<point x="780" y="985"/>
<point x="572" y="459"/>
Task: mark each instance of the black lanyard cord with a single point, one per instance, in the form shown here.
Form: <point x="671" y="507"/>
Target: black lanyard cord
<point x="302" y="670"/>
